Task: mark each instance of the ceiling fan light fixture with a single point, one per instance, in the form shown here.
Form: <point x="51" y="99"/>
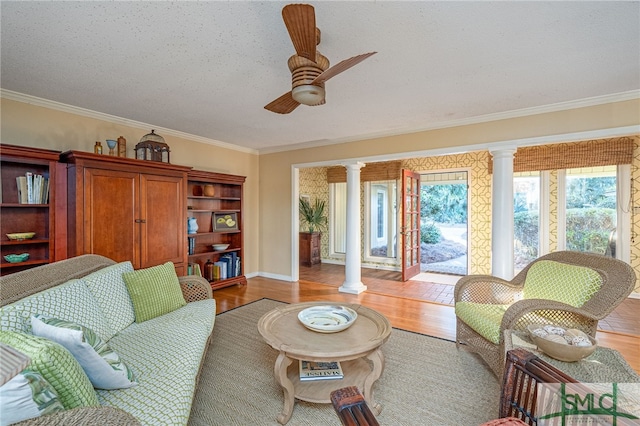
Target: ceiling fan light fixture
<point x="308" y="94"/>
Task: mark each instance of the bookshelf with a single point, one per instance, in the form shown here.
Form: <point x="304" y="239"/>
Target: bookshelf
<point x="215" y="201"/>
<point x="37" y="217"/>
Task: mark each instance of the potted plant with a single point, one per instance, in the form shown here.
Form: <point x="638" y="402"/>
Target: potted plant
<point x="312" y="216"/>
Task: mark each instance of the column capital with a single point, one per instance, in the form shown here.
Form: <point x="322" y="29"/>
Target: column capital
<point x="502" y="152"/>
<point x="356" y="165"/>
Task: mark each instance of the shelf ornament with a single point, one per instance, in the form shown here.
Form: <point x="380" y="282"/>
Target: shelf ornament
<point x="152" y="147"/>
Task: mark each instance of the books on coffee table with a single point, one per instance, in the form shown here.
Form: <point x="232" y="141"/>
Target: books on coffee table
<point x="311" y="370"/>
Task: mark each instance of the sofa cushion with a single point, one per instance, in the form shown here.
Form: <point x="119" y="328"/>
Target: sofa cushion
<point x="103" y="366"/>
<point x="570" y="284"/>
<point x="26" y="396"/>
<point x="483" y="318"/>
<point x="71" y="301"/>
<point x="165" y="353"/>
<point x="154" y="291"/>
<point x="57" y="366"/>
<point x="110" y="291"/>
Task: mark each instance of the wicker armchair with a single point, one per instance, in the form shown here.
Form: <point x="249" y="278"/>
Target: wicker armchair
<point x="511" y="309"/>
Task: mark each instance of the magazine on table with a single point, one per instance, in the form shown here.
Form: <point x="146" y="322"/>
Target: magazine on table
<point x="312" y="370"/>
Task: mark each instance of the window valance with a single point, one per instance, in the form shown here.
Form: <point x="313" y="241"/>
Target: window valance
<point x="388" y="170"/>
<point x="600" y="152"/>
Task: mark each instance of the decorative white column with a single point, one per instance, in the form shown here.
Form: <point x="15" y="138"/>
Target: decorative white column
<point x="352" y="283"/>
<point x="502" y="214"/>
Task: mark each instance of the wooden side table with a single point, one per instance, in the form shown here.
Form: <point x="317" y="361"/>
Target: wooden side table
<point x="604" y="365"/>
<point x="352" y="347"/>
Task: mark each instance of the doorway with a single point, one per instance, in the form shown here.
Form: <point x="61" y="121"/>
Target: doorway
<point x="444" y="222"/>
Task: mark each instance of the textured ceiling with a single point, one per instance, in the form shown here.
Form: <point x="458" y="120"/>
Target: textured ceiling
<point x="208" y="68"/>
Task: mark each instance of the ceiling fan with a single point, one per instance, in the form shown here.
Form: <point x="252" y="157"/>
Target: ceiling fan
<point x="309" y="68"/>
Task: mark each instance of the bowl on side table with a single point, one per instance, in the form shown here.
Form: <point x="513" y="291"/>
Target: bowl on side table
<point x="567" y="345"/>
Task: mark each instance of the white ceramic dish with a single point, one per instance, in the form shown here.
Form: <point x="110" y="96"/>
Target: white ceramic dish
<point x="220" y="247"/>
<point x="327" y="318"/>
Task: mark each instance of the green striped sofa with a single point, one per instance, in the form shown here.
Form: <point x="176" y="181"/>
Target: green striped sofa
<point x="164" y="353"/>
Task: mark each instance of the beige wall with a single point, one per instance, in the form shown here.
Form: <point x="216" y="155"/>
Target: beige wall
<point x="268" y="194"/>
<point x="275" y="168"/>
<point x="29" y="125"/>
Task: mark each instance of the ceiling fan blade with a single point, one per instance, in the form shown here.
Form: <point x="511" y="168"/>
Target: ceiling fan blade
<point x="300" y="20"/>
<point x="340" y="67"/>
<point x="283" y="105"/>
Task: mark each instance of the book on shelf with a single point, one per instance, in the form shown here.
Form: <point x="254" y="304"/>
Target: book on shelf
<point x="312" y="370"/>
<point x="32" y="189"/>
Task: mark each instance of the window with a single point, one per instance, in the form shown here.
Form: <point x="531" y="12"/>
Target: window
<point x="526" y="218"/>
<point x="381" y="224"/>
<point x="590" y="209"/>
<point x="591" y="213"/>
<point x="380" y="214"/>
<point x="338" y="219"/>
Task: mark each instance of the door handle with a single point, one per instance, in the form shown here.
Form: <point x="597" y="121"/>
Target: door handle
<point x="140" y="221"/>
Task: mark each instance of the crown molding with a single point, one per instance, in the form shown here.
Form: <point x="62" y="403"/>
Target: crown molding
<point x="33" y="100"/>
<point x="561" y="106"/>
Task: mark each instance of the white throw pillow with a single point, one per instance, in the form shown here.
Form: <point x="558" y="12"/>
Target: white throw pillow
<point x="103" y="366"/>
<point x="26" y="396"/>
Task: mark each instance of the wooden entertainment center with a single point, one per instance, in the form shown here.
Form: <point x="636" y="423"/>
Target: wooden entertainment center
<point x="121" y="208"/>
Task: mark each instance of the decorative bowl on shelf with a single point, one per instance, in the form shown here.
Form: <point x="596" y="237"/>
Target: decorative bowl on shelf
<point x="327" y="318"/>
<point x="15" y="258"/>
<point x="569" y="345"/>
<point x="19" y="236"/>
<point x="220" y="247"/>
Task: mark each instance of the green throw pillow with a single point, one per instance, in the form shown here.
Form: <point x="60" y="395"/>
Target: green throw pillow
<point x="570" y="284"/>
<point x="154" y="291"/>
<point x="57" y="366"/>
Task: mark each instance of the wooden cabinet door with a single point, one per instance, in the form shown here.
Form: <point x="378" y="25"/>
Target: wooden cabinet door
<point x="164" y="222"/>
<point x="110" y="214"/>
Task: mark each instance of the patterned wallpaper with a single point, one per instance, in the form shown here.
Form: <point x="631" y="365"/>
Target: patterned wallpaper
<point x="635" y="214"/>
<point x="313" y="182"/>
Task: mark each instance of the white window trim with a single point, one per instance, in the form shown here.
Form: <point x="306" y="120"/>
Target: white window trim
<point x="623" y="210"/>
<point x="469" y="171"/>
<point x="624" y="206"/>
<point x="393" y="261"/>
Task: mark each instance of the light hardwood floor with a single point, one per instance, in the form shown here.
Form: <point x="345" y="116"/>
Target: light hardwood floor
<point x="405" y="313"/>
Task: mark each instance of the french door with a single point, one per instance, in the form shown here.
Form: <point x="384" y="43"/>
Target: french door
<point x="410" y="224"/>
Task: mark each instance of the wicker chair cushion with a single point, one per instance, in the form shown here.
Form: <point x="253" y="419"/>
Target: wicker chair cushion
<point x="154" y="291"/>
<point x="26" y="396"/>
<point x="165" y="354"/>
<point x="103" y="366"/>
<point x="570" y="284"/>
<point x="110" y="291"/>
<point x="483" y="318"/>
<point x="57" y="366"/>
<point x="71" y="301"/>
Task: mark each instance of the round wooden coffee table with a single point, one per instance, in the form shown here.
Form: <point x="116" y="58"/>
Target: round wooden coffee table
<point x="282" y="330"/>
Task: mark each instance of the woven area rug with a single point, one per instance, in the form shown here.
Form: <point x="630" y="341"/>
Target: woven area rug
<point x="426" y="380"/>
